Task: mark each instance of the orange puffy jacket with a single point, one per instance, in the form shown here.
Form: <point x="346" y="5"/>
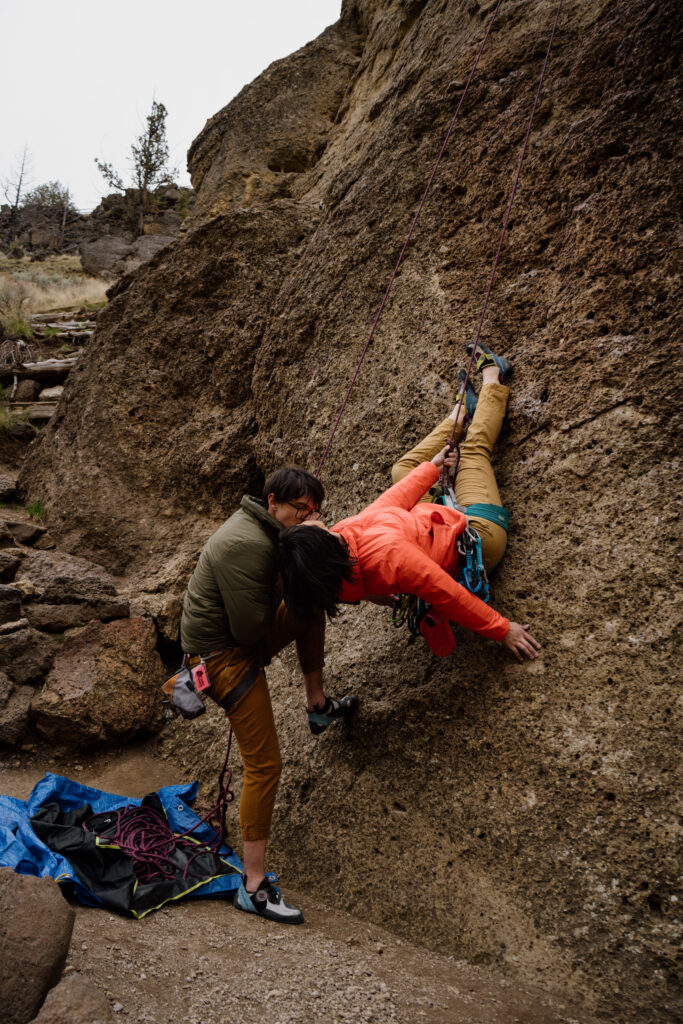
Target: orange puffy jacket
<point x="405" y="547"/>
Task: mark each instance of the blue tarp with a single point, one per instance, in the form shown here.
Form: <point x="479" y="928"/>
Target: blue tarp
<point x="22" y="850"/>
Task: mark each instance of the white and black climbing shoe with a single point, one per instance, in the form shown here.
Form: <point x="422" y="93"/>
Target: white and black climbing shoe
<point x="267" y="901"/>
<point x="325" y="715"/>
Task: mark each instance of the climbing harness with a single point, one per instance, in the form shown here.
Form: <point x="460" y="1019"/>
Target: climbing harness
<point x="472" y="574"/>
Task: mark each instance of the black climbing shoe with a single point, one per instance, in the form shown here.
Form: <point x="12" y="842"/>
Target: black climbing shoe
<point x="320" y="718"/>
<point x="470" y="400"/>
<point x="267" y="901"/>
<point x="485" y="357"/>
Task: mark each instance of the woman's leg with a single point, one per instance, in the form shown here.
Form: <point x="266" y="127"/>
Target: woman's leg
<point x="475" y="482"/>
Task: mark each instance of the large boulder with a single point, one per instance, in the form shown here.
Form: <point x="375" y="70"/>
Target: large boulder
<point x="25" y="533"/>
<point x="75" y="1000"/>
<point x="8" y="485"/>
<point x="10" y="603"/>
<point x="164" y="609"/>
<point x="35" y="931"/>
<point x="19" y="430"/>
<point x="99" y="257"/>
<point x="15" y="702"/>
<point x="62" y="591"/>
<point x="111" y="256"/>
<point x="6" y="538"/>
<point x="27" y="390"/>
<point x="9" y="563"/>
<point x="25" y="654"/>
<point x="104" y="685"/>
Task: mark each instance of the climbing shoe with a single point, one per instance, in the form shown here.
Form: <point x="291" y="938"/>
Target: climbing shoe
<point x="330" y="712"/>
<point x="470" y="399"/>
<point x="268" y="902"/>
<point x="485" y="357"/>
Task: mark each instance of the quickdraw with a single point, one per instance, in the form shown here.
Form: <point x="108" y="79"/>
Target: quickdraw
<point x="411" y="610"/>
<point x="473" y="575"/>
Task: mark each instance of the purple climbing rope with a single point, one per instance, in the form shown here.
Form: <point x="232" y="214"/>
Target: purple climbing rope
<point x="145" y="835"/>
<point x="407" y="240"/>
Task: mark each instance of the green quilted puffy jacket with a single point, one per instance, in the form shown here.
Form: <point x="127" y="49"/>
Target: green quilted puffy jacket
<point x="233" y="594"/>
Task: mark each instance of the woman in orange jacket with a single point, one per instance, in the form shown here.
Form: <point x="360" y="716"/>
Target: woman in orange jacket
<point x="403" y="544"/>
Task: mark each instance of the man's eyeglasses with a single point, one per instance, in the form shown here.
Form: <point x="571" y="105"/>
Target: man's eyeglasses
<point x="304" y="512"/>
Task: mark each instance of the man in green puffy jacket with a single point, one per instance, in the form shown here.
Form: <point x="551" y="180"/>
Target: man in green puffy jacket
<point x="235" y="621"/>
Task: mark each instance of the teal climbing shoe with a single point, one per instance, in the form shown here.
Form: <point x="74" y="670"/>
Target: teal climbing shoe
<point x="470" y="399"/>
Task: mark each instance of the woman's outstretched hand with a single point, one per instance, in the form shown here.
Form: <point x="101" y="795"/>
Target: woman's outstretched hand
<point x="519" y="640"/>
<point x="449" y="455"/>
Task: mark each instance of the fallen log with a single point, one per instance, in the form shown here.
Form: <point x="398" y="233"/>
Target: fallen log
<point x="46" y="367"/>
<point x="37" y="412"/>
<point x="72" y="325"/>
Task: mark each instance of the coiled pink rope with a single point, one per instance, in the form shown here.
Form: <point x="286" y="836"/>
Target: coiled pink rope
<point x="145" y="835"/>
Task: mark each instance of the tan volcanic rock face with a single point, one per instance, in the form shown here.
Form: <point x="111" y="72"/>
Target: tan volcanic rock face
<point x="520" y="815"/>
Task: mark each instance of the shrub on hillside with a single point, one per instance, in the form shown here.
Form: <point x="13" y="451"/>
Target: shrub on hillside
<point x="13" y="302"/>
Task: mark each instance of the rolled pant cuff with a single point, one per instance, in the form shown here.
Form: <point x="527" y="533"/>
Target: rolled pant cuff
<point x="252" y="833"/>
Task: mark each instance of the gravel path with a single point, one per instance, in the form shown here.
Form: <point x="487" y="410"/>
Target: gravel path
<point x="205" y="963"/>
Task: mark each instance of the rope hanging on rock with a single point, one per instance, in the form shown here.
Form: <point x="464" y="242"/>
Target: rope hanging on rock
<point x="408" y="237"/>
<point x="454" y="469"/>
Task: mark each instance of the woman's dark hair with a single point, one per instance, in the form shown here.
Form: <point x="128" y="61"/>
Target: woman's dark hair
<point x="313" y="564"/>
<point x="292" y="482"/>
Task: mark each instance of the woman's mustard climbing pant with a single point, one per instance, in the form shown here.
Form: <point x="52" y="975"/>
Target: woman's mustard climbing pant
<point x="475" y="482"/>
<point x="251" y="717"/>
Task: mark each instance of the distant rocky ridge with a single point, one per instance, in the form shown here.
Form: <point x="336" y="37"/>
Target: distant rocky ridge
<point x="107" y="246"/>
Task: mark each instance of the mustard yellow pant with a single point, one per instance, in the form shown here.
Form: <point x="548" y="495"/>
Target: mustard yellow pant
<point x="475" y="482"/>
<point x="252" y="716"/>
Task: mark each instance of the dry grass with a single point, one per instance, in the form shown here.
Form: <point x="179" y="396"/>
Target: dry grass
<point x="55" y="283"/>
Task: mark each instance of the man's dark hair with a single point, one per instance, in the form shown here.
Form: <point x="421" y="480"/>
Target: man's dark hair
<point x="313" y="565"/>
<point x="293" y="482"/>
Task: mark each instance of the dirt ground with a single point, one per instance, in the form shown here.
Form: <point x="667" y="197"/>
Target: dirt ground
<point x="204" y="963"/>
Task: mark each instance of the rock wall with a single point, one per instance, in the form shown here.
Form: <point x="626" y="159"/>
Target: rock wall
<point x="513" y="814"/>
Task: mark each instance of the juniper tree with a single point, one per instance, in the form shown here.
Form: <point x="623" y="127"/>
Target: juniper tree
<point x="149" y="164"/>
<point x="53" y="200"/>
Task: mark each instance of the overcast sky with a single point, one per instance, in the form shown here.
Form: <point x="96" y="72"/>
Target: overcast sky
<point x="77" y="77"/>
